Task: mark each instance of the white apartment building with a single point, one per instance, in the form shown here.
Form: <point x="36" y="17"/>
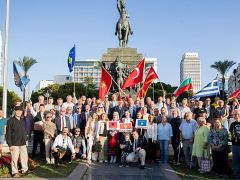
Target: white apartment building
<point x="43" y="84"/>
<point x="234" y="80"/>
<point x="190" y="66"/>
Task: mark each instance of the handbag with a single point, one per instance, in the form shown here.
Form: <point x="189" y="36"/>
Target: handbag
<point x="205" y="164"/>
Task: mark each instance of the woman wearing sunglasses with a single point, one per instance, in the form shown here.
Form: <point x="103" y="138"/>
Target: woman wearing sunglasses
<point x="49" y="133"/>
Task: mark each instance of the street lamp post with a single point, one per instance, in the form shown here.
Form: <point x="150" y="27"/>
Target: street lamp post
<point x="5" y="68"/>
<point x="47" y="95"/>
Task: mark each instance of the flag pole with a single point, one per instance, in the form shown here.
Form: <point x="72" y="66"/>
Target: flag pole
<point x="153" y="91"/>
<point x="74" y="86"/>
<point x="5" y="68"/>
<point x="120" y="90"/>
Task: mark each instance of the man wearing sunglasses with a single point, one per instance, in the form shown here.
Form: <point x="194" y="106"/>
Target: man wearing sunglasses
<point x="63" y="148"/>
<point x="79" y="144"/>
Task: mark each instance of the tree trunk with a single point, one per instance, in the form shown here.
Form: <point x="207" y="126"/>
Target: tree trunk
<point x="223" y="87"/>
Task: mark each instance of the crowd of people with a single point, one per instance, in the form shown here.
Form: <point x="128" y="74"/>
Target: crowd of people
<point x="77" y="129"/>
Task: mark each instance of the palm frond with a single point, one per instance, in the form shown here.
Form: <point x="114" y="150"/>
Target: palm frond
<point x="26" y="63"/>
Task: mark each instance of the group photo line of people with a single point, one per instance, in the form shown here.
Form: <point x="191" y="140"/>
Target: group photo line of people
<point x="199" y="133"/>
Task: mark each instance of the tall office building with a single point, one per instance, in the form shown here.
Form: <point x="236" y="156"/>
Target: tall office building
<point x="190" y="66"/>
<point x="88" y="68"/>
<point x="1" y="60"/>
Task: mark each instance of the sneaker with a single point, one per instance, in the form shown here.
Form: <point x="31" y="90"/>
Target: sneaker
<point x="16" y="175"/>
<point x="101" y="161"/>
<point x="26" y="172"/>
<point x="120" y="165"/>
<point x="127" y="166"/>
<point x="106" y="161"/>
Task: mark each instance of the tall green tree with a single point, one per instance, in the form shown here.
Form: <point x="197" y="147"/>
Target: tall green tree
<point x="25" y="64"/>
<point x="223" y="67"/>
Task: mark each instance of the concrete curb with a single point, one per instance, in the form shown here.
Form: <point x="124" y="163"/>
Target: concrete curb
<point x="79" y="171"/>
<point x="168" y="172"/>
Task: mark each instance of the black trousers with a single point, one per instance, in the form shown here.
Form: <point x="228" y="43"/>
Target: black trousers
<point x="220" y="159"/>
<point x="175" y="145"/>
<point x="38" y="139"/>
<point x="151" y="153"/>
<point x="66" y="157"/>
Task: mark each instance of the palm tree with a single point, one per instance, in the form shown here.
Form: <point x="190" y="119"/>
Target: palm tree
<point x="223" y="67"/>
<point x="25" y="64"/>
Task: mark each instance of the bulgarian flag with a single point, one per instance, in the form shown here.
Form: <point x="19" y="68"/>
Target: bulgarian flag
<point x="235" y="94"/>
<point x="184" y="86"/>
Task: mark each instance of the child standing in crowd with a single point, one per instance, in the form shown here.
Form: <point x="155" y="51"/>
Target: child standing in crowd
<point x="126" y="147"/>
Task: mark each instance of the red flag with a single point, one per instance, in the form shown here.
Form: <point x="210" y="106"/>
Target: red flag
<point x="148" y="81"/>
<point x="112" y="125"/>
<point x="125" y="127"/>
<point x="235" y="94"/>
<point x="105" y="84"/>
<point x="136" y="76"/>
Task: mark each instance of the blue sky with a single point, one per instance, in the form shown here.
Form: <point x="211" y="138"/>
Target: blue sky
<point x="165" y="29"/>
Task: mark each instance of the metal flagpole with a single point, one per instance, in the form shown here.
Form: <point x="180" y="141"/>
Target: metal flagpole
<point x="5" y="69"/>
<point x="119" y="87"/>
<point x="153" y="91"/>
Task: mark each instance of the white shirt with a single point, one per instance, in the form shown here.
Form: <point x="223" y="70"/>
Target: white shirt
<point x="63" y="142"/>
<point x="66" y="104"/>
<point x="151" y="131"/>
<point x="64" y="122"/>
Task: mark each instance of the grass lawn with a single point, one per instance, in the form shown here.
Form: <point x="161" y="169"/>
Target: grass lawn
<point x="50" y="171"/>
<point x="183" y="172"/>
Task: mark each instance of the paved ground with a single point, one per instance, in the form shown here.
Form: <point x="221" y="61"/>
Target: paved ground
<point x="102" y="171"/>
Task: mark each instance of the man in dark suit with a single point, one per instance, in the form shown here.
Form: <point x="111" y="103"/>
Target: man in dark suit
<point x="38" y="132"/>
<point x="84" y="118"/>
<point x="139" y="149"/>
<point x="132" y="109"/>
<point x="62" y="121"/>
<point x="120" y="109"/>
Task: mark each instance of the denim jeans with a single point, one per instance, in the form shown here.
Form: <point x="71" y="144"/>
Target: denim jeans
<point x="164" y="150"/>
<point x="236" y="160"/>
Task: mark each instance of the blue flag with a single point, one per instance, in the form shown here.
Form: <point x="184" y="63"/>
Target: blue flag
<point x="141" y="123"/>
<point x="19" y="81"/>
<point x="71" y="59"/>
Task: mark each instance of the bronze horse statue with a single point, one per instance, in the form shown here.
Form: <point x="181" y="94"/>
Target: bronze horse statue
<point x="123" y="29"/>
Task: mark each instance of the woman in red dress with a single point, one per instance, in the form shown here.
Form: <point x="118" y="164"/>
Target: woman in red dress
<point x="113" y="141"/>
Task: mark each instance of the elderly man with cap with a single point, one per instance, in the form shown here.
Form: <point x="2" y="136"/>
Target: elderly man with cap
<point x="16" y="139"/>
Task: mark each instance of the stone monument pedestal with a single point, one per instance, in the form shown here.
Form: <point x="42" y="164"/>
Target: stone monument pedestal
<point x="128" y="56"/>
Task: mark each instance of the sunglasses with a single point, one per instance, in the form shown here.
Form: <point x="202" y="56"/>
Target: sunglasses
<point x="77" y="131"/>
<point x="49" y="117"/>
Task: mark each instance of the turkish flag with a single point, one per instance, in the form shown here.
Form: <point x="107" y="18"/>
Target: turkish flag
<point x="136" y="76"/>
<point x="148" y="81"/>
<point x="235" y="94"/>
<point x="125" y="127"/>
<point x="105" y="84"/>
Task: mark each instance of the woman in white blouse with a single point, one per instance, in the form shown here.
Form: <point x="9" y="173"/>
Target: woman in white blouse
<point x="151" y="136"/>
<point x="102" y="137"/>
<point x="90" y="134"/>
